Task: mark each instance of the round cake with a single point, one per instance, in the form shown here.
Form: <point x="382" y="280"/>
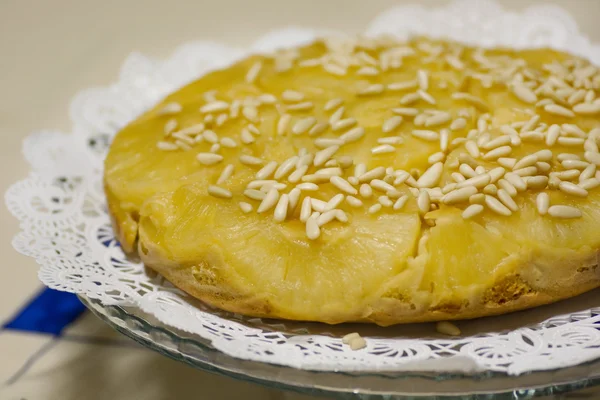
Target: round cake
<point x="369" y="180"/>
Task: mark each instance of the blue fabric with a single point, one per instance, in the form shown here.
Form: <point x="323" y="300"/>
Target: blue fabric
<point x="50" y="311"/>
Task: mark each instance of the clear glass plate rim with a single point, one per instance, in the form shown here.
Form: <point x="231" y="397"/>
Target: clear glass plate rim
<point x="103" y="312"/>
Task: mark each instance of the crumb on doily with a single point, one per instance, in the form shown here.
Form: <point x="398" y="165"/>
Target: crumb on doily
<point x="447" y="328"/>
<point x="355" y="341"/>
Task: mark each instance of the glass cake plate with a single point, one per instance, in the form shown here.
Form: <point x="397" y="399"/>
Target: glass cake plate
<point x="198" y="352"/>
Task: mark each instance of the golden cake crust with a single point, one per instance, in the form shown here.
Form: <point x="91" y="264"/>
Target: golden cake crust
<point x="385" y="311"/>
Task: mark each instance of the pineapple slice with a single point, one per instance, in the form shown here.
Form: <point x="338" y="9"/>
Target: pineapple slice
<point x="369" y="180"/>
<point x="255" y="265"/>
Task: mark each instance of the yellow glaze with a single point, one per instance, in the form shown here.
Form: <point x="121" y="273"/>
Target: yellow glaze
<point x="390" y="267"/>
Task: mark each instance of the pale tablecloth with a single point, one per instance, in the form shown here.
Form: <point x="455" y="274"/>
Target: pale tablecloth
<point x="51" y="49"/>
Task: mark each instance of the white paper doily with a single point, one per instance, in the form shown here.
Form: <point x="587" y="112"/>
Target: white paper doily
<point x="65" y="226"/>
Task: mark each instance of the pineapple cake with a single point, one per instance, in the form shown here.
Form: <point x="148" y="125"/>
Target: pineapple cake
<point x="369" y="180"/>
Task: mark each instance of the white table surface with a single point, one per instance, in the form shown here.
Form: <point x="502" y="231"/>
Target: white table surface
<point x="49" y="50"/>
